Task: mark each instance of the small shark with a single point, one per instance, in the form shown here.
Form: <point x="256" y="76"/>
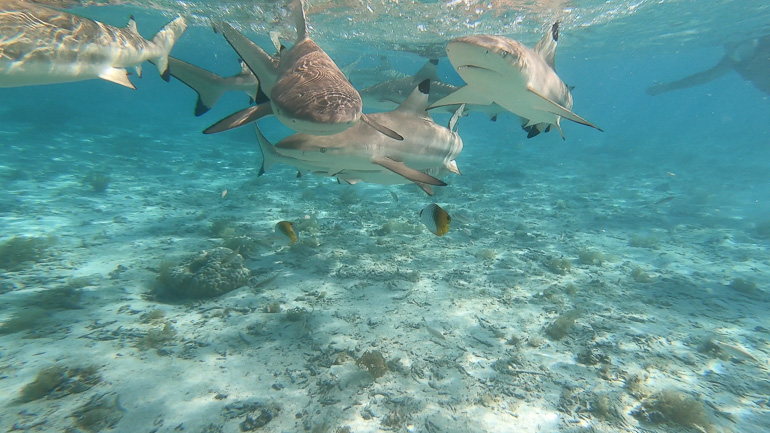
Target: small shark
<point x="361" y="154"/>
<point x="388" y="95"/>
<point x="210" y="86"/>
<point x="307" y="91"/>
<point x="39" y="45"/>
<point x="749" y="58"/>
<point x="519" y="79"/>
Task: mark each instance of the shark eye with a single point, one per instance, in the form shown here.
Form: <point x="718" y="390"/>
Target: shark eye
<point x="323" y="150"/>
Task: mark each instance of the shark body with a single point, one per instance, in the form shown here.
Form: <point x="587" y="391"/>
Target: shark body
<point x="749" y="58"/>
<point x="362" y="154"/>
<point x="40" y="45"/>
<point x="307" y="91"/>
<point x="519" y="79"/>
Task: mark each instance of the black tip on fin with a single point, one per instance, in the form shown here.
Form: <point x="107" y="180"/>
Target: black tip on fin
<point x="261" y="170"/>
<point x="424" y="86"/>
<point x="493" y="118"/>
<point x="555" y="31"/>
<point x="200" y="107"/>
<point x="131" y="17"/>
<point x="261" y="97"/>
<point x="434" y="61"/>
<point x="166" y="75"/>
<point x="531" y="131"/>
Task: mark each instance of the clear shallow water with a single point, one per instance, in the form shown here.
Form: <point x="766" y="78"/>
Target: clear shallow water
<point x="523" y="200"/>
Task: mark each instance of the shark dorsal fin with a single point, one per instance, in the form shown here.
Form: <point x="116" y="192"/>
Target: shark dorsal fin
<point x="428" y="71"/>
<point x="417" y="102"/>
<point x="547" y="46"/>
<point x="299" y="19"/>
<point x="131" y="26"/>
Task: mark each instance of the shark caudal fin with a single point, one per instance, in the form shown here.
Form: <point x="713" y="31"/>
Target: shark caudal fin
<point x="206" y="84"/>
<point x="165" y="39"/>
<point x="269" y="154"/>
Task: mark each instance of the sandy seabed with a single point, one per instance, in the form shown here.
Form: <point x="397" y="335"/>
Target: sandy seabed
<point x="562" y="299"/>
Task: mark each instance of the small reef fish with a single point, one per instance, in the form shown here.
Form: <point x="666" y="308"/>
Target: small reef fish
<point x="39" y="45"/>
<point x="435" y="219"/>
<point x="224" y="193"/>
<point x="286" y="228"/>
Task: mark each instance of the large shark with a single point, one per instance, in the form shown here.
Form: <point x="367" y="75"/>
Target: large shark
<point x="210" y="86"/>
<point x="307" y="91"/>
<point x="519" y="79"/>
<point x="749" y="58"/>
<point x="39" y="45"/>
<point x="362" y="154"/>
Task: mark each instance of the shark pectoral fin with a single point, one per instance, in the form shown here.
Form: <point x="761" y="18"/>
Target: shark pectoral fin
<point x="401" y="169"/>
<point x="117" y="75"/>
<point x="559" y="110"/>
<point x="240" y="118"/>
<point x="463" y="95"/>
<point x="138" y="69"/>
<point x="425" y="187"/>
<point x="383" y="129"/>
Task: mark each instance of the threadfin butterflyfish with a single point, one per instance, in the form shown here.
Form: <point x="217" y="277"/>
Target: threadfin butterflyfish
<point x="286" y="228"/>
<point x="435" y="219"/>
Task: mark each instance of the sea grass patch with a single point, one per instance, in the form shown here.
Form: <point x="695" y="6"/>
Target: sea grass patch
<point x="674" y="407"/>
<point x="19" y="252"/>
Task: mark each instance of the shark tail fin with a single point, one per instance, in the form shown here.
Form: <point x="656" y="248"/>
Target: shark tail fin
<point x="269" y="154"/>
<point x="165" y="39"/>
<point x="206" y="84"/>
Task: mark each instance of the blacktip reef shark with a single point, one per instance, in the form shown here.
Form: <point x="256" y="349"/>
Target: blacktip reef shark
<point x="388" y="95"/>
<point x="749" y="58"/>
<point x="40" y="45"/>
<point x="362" y="154"/>
<point x="307" y="91"/>
<point x="521" y="80"/>
<point x="210" y="86"/>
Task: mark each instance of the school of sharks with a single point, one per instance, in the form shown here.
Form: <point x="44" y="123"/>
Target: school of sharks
<point x="306" y="91"/>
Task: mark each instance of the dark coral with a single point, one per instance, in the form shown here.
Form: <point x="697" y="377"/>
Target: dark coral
<point x="207" y="275"/>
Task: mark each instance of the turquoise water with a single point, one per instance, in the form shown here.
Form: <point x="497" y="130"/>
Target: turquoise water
<point x="672" y="196"/>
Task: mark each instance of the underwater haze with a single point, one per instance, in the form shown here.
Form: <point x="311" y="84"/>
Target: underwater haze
<point x="611" y="281"/>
